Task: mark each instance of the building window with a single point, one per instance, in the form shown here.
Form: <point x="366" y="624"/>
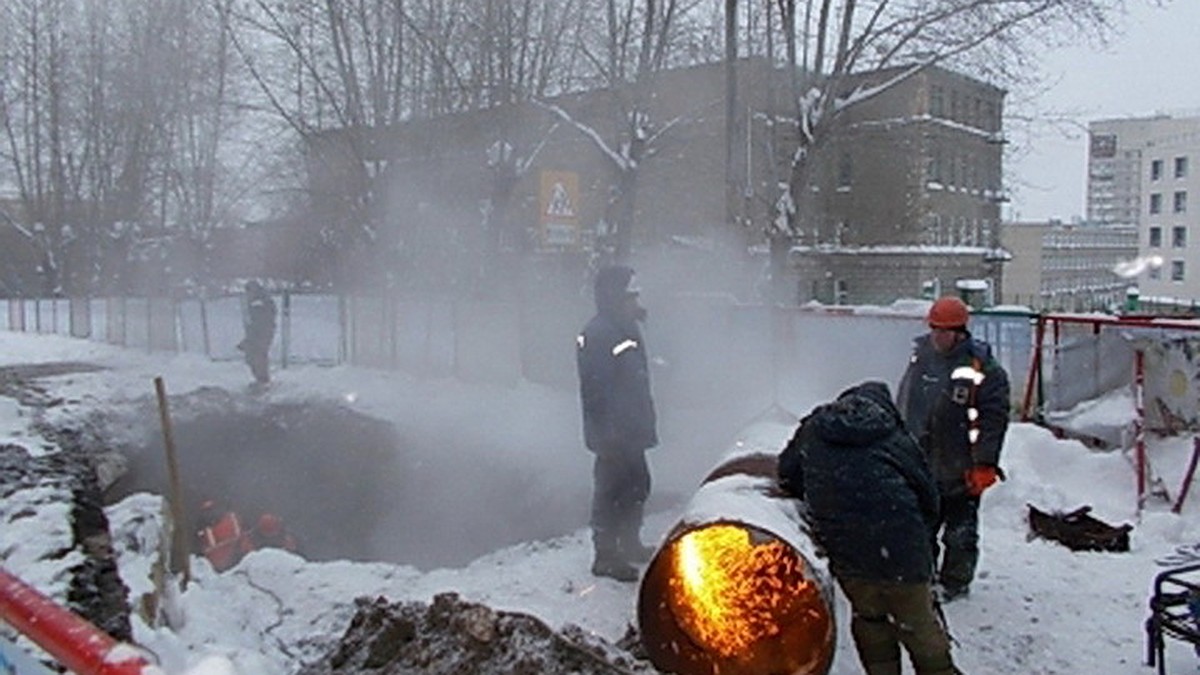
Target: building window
<point x="1155" y="203"/>
<point x="1181" y="167"/>
<point x="1155" y="237"/>
<point x="1155" y="272"/>
<point x="935" y="167"/>
<point x="841" y="292"/>
<point x="1176" y="270"/>
<point x="937" y="104"/>
<point x="1180" y="202"/>
<point x="1178" y="237"/>
<point x="1156" y="169"/>
<point x="845" y="171"/>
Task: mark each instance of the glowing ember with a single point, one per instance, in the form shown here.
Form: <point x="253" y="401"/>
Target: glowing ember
<point x="730" y="590"/>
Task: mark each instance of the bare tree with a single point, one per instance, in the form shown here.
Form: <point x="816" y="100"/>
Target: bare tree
<point x="112" y="115"/>
<point x="995" y="39"/>
<point x="638" y="40"/>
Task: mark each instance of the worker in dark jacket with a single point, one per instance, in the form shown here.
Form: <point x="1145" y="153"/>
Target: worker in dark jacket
<point x="954" y="398"/>
<point x="619" y="422"/>
<point x="872" y="503"/>
<point x="260" y="331"/>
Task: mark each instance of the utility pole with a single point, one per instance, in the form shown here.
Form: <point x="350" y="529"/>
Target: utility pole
<point x="730" y="102"/>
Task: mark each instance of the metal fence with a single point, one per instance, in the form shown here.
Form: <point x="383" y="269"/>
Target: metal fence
<point x="708" y="350"/>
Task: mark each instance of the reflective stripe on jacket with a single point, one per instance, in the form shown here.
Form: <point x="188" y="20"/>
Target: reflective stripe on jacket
<point x="956" y="405"/>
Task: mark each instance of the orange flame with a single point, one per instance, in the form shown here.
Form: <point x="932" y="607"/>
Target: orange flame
<point x="732" y="589"/>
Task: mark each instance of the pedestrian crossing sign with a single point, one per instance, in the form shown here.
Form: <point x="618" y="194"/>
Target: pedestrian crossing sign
<point x="558" y="209"/>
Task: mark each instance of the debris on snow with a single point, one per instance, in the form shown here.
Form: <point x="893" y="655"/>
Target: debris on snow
<point x="451" y="635"/>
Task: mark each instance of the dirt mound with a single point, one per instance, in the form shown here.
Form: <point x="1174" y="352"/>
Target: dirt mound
<point x="454" y="637"/>
<point x="29" y="484"/>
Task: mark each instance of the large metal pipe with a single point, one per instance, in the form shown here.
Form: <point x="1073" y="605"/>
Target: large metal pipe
<point x="737" y="587"/>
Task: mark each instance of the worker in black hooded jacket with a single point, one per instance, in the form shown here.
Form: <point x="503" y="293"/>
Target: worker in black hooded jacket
<point x="619" y="422"/>
<point x="872" y="502"/>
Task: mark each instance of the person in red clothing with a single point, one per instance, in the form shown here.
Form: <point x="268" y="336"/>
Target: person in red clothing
<point x="269" y="532"/>
<point x="221" y="537"/>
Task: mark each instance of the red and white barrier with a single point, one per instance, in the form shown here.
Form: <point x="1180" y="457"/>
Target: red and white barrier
<point x="70" y="639"/>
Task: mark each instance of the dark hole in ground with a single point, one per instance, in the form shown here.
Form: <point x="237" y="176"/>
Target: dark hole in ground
<point x="349" y="486"/>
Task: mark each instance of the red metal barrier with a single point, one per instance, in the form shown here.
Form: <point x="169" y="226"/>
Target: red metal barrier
<point x="71" y="640"/>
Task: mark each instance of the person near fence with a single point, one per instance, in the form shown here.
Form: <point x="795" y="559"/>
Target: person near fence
<point x="873" y="504"/>
<point x="619" y="422"/>
<point x="954" y="397"/>
<point x="260" y="331"/>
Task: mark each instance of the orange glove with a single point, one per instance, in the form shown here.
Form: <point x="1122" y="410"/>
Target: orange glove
<point x="979" y="478"/>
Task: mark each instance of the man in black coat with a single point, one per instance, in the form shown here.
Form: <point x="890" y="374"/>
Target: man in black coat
<point x="619" y="421"/>
<point x="872" y="502"/>
<point x="260" y="331"/>
<point x="955" y="398"/>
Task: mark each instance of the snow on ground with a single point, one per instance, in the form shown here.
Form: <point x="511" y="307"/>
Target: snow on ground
<point x="1036" y="607"/>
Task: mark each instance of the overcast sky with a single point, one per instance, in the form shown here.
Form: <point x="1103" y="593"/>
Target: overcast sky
<point x="1154" y="67"/>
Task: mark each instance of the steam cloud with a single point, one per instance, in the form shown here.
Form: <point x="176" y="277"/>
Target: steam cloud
<point x="1131" y="268"/>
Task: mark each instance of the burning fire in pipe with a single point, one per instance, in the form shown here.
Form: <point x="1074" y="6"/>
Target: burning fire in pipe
<point x="737" y="587"/>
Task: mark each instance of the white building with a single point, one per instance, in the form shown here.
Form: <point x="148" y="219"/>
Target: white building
<point x="1144" y="172"/>
<point x="1067" y="267"/>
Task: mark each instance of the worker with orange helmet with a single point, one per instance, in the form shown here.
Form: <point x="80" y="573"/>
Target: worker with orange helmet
<point x="269" y="532"/>
<point x="954" y="396"/>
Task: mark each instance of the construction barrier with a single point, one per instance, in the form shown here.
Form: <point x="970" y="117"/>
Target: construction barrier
<point x="68" y="638"/>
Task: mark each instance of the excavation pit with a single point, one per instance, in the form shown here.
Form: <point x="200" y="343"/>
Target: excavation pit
<point x="349" y="486"/>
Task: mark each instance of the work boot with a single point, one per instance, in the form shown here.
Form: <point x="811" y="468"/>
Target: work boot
<point x="610" y="561"/>
<point x="614" y="568"/>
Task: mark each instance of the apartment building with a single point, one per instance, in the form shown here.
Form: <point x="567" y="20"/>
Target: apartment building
<point x="1074" y="267"/>
<point x="908" y="189"/>
<point x="911" y="189"/>
<point x="1143" y="171"/>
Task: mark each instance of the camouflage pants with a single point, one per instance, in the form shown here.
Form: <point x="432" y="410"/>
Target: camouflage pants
<point x="887" y="615"/>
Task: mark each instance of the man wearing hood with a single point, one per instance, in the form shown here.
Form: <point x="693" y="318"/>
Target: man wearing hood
<point x="873" y="504"/>
<point x="619" y="422"/>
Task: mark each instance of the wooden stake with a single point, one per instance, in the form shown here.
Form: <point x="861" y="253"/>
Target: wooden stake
<point x="179" y="539"/>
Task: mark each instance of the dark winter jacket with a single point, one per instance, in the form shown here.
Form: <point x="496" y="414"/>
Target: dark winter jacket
<point x="869" y="493"/>
<point x="614" y="383"/>
<point x="935" y="396"/>
<point x="260" y="321"/>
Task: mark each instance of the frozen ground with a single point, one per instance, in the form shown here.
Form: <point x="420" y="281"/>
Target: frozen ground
<point x="1036" y="607"/>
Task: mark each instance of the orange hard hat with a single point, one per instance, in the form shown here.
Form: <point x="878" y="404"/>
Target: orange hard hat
<point x="270" y="524"/>
<point x="948" y="312"/>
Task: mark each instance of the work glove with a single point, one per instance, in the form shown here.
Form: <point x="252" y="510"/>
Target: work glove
<point x="979" y="478"/>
